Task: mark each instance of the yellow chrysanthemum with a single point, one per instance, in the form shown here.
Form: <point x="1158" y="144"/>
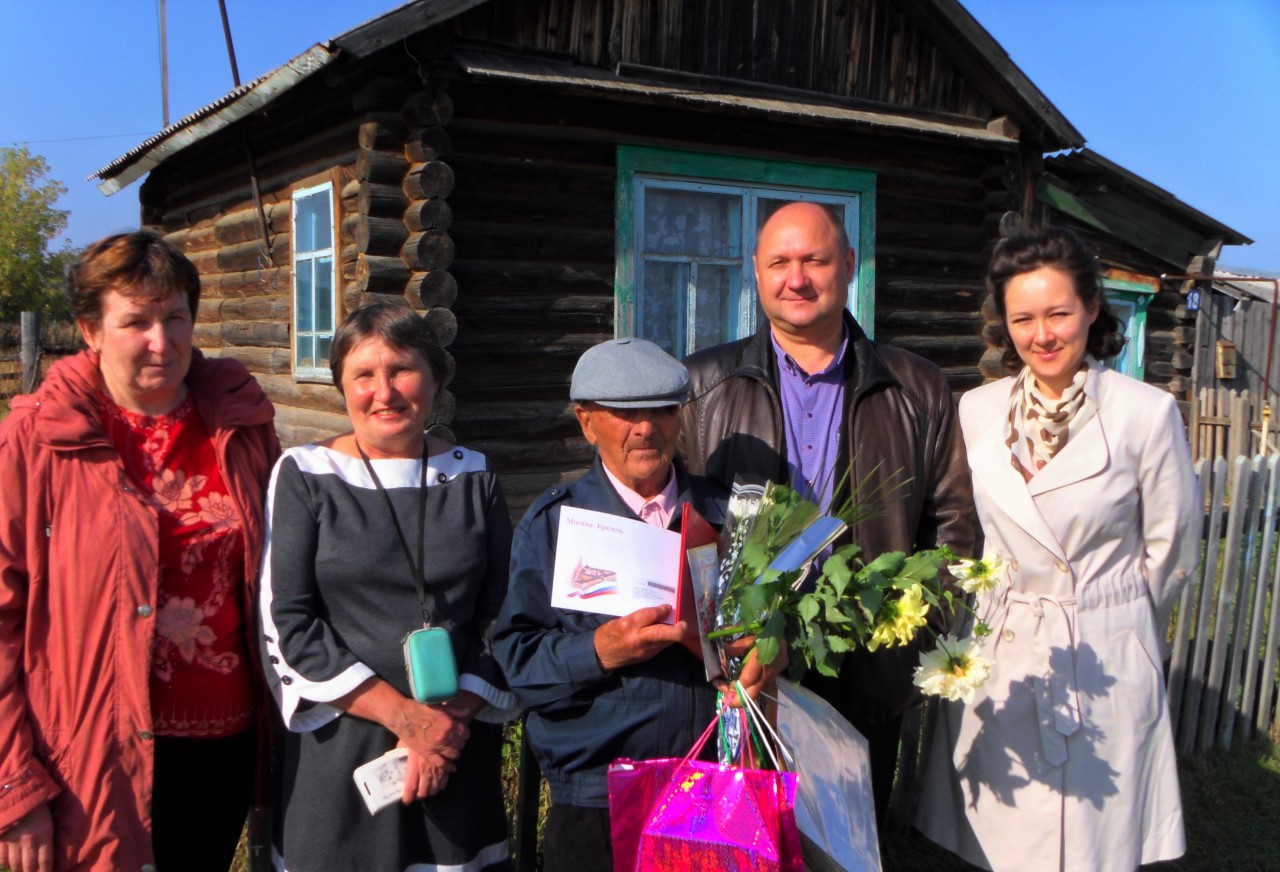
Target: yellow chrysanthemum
<point x="954" y="670"/>
<point x="898" y="620"/>
<point x="976" y="576"/>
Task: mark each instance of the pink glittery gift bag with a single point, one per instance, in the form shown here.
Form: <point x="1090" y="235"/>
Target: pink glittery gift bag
<point x="674" y="815"/>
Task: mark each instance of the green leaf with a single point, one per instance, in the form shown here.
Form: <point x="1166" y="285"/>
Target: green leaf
<point x="889" y="563"/>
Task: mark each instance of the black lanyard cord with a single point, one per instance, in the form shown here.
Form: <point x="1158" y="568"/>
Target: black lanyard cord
<point x="416" y="568"/>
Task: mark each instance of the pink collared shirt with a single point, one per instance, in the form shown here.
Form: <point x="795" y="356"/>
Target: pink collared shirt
<point x="656" y="512"/>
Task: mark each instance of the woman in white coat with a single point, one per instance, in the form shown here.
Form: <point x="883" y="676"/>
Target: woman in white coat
<point x="1064" y="759"/>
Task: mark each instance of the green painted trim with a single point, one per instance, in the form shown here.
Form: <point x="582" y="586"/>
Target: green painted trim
<point x="730" y="169"/>
<point x="1129" y="287"/>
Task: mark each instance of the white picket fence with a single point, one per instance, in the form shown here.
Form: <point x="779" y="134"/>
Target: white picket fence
<point x="1226" y="633"/>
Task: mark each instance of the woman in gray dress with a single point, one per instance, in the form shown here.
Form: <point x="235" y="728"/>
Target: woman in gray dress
<point x="372" y="534"/>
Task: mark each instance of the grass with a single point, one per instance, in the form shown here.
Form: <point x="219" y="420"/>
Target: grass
<point x="1230" y="801"/>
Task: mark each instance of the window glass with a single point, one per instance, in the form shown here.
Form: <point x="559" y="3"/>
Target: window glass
<point x="314" y="281"/>
<point x="686" y="235"/>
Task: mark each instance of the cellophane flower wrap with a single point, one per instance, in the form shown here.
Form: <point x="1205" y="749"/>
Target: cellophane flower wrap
<point x="885" y="600"/>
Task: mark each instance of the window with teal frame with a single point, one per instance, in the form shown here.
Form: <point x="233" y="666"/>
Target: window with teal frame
<point x="1129" y="301"/>
<point x="314" y="282"/>
<point x="686" y="231"/>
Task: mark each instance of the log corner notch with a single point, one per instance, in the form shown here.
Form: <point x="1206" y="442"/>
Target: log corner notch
<point x="396" y="233"/>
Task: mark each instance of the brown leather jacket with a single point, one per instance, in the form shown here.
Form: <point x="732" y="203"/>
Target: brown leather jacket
<point x="900" y="423"/>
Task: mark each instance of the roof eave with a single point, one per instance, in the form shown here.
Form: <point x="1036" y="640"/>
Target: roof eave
<point x="149" y="155"/>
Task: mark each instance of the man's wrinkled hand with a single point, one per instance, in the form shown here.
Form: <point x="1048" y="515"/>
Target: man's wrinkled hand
<point x="636" y="637"/>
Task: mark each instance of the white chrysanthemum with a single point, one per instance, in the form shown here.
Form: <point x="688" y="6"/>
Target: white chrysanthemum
<point x="954" y="670"/>
<point x="976" y="576"/>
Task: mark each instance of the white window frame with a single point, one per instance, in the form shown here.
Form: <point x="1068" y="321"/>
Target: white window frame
<point x="307" y="259"/>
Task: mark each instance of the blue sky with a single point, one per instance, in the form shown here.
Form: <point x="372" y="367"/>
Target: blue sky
<point x="1182" y="92"/>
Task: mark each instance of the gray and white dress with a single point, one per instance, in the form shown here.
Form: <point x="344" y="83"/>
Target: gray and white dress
<point x="337" y="599"/>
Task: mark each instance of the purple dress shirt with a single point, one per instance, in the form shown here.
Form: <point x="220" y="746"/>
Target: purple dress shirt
<point x="811" y="407"/>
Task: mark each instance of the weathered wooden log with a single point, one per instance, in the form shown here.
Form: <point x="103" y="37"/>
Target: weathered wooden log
<point x="386" y="93"/>
<point x="383" y="236"/>
<point x="381" y="275"/>
<point x="428" y="108"/>
<point x="296" y="426"/>
<point x="427" y="143"/>
<point x="285" y="391"/>
<point x="207" y="335"/>
<point x="1000" y="177"/>
<point x="353" y="299"/>
<point x="381" y="167"/>
<point x="249" y="283"/>
<point x="242" y="225"/>
<point x="381" y="201"/>
<point x="271" y="334"/>
<point x="249" y="255"/>
<point x="427" y="251"/>
<point x="574" y="313"/>
<point x="444" y="409"/>
<point x="444" y="323"/>
<point x="428" y="215"/>
<point x="435" y="288"/>
<point x="262" y="359"/>
<point x="194" y="239"/>
<point x="274" y="307"/>
<point x="209" y="310"/>
<point x="433" y="179"/>
<point x="383" y="131"/>
<point x="529" y="454"/>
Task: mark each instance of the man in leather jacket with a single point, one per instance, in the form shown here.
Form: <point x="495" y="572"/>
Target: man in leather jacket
<point x="810" y="401"/>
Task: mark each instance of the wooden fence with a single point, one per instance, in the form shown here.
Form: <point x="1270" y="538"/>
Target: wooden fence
<point x="1226" y="633"/>
<point x="57" y="339"/>
<point x="1226" y="423"/>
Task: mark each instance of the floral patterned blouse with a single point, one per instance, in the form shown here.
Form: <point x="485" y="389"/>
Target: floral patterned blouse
<point x="200" y="684"/>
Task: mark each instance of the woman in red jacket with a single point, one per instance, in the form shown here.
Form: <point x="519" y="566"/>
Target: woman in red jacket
<point x="130" y="537"/>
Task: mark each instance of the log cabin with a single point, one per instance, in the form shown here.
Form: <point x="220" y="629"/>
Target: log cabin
<point x="536" y="177"/>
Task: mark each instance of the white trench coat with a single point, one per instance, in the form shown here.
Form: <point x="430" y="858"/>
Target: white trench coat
<point x="1064" y="760"/>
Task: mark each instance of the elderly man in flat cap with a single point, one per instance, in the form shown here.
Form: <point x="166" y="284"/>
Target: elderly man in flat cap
<point x="597" y="688"/>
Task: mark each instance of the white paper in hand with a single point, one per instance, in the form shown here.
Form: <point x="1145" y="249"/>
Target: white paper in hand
<point x="381" y="781"/>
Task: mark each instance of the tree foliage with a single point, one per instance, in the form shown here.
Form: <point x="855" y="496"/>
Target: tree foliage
<point x="31" y="276"/>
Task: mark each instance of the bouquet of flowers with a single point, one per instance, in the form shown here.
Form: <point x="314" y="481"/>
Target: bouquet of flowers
<point x="765" y="589"/>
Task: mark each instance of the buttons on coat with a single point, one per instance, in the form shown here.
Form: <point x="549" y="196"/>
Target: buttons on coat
<point x="144" y="611"/>
<point x="1061" y="567"/>
<point x="284" y="679"/>
<point x="145" y="735"/>
<point x="1008" y="636"/>
<point x="1013" y="564"/>
<point x="1180" y="575"/>
<point x="147" y="867"/>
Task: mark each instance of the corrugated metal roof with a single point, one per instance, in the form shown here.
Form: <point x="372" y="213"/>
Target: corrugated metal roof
<point x="248" y="98"/>
<point x="412" y="17"/>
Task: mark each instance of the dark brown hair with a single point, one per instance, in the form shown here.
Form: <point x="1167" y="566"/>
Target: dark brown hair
<point x="396" y="324"/>
<point x="1060" y="249"/>
<point x="142" y="264"/>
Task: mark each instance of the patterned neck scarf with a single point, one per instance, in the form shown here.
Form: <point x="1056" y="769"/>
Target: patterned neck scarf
<point x="1040" y="427"/>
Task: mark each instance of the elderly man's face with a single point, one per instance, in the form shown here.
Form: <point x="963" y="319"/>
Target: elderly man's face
<point x="636" y="445"/>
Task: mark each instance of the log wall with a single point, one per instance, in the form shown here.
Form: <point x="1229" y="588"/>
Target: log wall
<point x="491" y="208"/>
<point x="378" y="138"/>
<point x="533" y="226"/>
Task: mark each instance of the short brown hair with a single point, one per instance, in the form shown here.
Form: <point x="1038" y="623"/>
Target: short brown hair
<point x="139" y="264"/>
<point x="396" y="324"/>
<point x="1061" y="249"/>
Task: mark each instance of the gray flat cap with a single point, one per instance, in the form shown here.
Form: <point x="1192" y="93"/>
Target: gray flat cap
<point x="629" y="374"/>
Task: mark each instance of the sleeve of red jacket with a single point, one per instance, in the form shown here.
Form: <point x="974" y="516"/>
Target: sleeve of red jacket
<point x="24" y="781"/>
